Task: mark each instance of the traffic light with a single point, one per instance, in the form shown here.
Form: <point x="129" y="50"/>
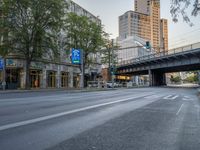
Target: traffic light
<point x="148" y="45"/>
<point x="112" y="70"/>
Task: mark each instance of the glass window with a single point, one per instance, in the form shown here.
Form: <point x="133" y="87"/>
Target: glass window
<point x="64" y="79"/>
<point x="51" y="79"/>
<point x="1" y="78"/>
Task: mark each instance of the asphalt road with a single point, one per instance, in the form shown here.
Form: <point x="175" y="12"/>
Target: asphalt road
<point x="128" y="119"/>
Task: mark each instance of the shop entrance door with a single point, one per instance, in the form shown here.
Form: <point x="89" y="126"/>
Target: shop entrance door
<point x="64" y="79"/>
<point x="52" y="79"/>
<point x="35" y="78"/>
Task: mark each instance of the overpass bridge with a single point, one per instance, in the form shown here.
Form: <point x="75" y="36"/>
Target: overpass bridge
<point x="186" y="58"/>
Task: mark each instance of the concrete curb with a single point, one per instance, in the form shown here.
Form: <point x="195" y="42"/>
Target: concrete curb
<point x="198" y="90"/>
<point x="54" y="90"/>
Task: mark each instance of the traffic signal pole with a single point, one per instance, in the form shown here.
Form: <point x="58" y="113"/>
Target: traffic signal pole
<point x="112" y="73"/>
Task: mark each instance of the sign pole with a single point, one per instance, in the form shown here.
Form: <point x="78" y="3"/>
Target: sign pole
<point x="82" y="69"/>
<point x="78" y="59"/>
<point x="4" y="74"/>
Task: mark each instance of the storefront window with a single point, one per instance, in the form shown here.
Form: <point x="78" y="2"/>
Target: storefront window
<point x="51" y="79"/>
<point x="12" y="78"/>
<point x="35" y="78"/>
<point x="64" y="79"/>
<point x="76" y="81"/>
<point x="1" y="78"/>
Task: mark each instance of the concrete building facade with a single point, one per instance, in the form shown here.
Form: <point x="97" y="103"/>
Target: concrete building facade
<point x="133" y="23"/>
<point x="164" y="33"/>
<point x="45" y="73"/>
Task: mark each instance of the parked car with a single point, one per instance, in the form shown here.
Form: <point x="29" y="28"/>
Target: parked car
<point x="110" y="85"/>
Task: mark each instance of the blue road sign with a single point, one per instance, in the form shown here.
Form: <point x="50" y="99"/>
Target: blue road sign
<point x="1" y="64"/>
<point x="76" y="56"/>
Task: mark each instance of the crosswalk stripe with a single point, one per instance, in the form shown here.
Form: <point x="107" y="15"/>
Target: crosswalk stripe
<point x="171" y="97"/>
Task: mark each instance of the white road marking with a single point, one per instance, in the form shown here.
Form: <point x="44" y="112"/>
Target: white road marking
<point x="152" y="96"/>
<point x="179" y="109"/>
<point x="171" y="97"/>
<point x="31" y="121"/>
<point x="198" y="111"/>
<point x="174" y="97"/>
<point x="187" y="98"/>
<point x="167" y="97"/>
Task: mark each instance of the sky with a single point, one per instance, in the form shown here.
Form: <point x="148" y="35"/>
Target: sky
<point x="109" y="10"/>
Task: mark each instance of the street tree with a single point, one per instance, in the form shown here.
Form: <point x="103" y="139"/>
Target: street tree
<point x="4" y="43"/>
<point x="86" y="34"/>
<point x="181" y="7"/>
<point x="32" y="28"/>
<point x="109" y="56"/>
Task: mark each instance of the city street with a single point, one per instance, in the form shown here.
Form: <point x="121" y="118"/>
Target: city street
<point x="122" y="119"/>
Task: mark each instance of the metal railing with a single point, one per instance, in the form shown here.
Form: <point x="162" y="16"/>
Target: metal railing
<point x="161" y="54"/>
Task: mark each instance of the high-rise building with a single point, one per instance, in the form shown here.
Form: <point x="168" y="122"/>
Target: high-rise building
<point x="133" y="23"/>
<point x="143" y="6"/>
<point x="164" y="34"/>
<point x="155" y="23"/>
<point x="144" y="22"/>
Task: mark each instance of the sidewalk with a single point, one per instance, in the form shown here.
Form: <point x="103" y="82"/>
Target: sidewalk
<point x="67" y="90"/>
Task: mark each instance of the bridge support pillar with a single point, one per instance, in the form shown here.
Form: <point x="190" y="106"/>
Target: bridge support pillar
<point x="150" y="78"/>
<point x="157" y="78"/>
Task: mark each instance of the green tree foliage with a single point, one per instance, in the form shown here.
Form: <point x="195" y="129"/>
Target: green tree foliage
<point x="3" y="34"/>
<point x="180" y="7"/>
<point x="32" y="28"/>
<point x="85" y="34"/>
<point x="109" y="56"/>
<point x="176" y="79"/>
<point x="192" y="78"/>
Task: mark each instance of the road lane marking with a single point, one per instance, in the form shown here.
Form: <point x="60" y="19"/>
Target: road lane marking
<point x="187" y="98"/>
<point x="166" y="97"/>
<point x="151" y="96"/>
<point x="171" y="97"/>
<point x="179" y="109"/>
<point x="174" y="97"/>
<point x="31" y="121"/>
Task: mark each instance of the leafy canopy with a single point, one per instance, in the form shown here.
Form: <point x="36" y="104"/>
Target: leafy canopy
<point x="85" y="34"/>
<point x="180" y="7"/>
<point x="32" y="26"/>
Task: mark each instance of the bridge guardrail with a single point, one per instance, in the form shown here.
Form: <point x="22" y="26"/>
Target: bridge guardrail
<point x="161" y="54"/>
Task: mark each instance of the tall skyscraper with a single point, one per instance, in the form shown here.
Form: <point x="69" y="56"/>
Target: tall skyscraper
<point x="164" y="33"/>
<point x="155" y="23"/>
<point x="143" y="6"/>
<point x="133" y="23"/>
<point x="144" y="22"/>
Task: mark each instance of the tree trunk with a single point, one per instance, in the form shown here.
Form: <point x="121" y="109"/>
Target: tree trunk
<point x="27" y="74"/>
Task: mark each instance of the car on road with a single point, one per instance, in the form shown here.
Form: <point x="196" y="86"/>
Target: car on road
<point x="110" y="85"/>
